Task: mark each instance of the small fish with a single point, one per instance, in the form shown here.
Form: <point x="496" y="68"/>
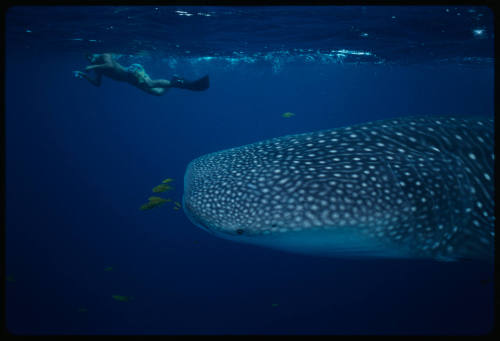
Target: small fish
<point x="122" y="298"/>
<point x="82" y="310"/>
<point x="162" y="188"/>
<point x="10" y="279"/>
<point x="167" y="180"/>
<point x="288" y="114"/>
<point x="109" y="268"/>
<point x="274" y="304"/>
<point x="154" y="202"/>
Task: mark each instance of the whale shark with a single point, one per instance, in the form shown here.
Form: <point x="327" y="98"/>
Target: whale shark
<point x="409" y="187"/>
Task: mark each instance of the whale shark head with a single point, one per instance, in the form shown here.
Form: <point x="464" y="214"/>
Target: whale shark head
<point x="379" y="189"/>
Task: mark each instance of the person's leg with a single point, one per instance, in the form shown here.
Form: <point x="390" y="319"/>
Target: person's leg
<point x="157" y="91"/>
<point x="159" y="83"/>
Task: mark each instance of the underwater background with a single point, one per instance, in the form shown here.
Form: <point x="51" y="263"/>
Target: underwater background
<point x="82" y="258"/>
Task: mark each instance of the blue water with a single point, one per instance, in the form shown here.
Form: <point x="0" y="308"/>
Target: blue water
<point x="81" y="160"/>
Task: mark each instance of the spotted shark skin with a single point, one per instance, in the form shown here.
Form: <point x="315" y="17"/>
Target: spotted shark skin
<point x="412" y="187"/>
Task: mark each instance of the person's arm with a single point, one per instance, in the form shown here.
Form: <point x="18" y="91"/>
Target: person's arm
<point x="98" y="67"/>
<point x="106" y="63"/>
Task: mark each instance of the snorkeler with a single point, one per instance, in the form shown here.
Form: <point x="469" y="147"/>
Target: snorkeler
<point x="105" y="65"/>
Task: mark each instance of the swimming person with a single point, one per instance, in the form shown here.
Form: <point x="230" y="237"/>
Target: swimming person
<point x="104" y="65"/>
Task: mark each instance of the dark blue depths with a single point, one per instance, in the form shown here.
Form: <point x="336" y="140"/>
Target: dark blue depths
<point x="81" y="160"/>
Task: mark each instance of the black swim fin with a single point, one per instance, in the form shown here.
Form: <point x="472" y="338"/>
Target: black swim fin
<point x="197" y="85"/>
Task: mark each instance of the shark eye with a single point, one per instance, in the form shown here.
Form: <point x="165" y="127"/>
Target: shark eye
<point x="239" y="231"/>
